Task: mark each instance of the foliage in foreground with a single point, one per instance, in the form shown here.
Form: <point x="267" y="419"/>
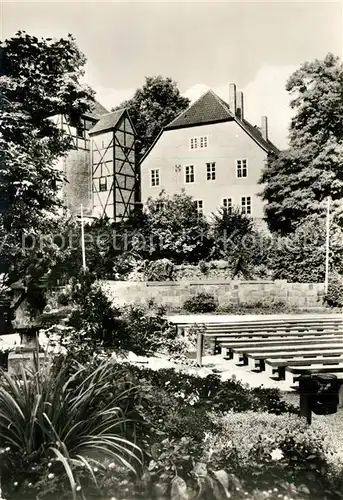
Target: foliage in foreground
<point x="51" y="424"/>
<point x="95" y="322"/>
<point x="39" y="79"/>
<point x="200" y="437"/>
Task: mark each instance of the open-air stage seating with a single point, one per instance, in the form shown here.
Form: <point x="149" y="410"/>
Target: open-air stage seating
<point x="285" y="347"/>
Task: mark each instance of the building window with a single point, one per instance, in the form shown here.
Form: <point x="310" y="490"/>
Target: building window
<point x="155" y="177"/>
<point x="103" y="184"/>
<point x="189" y="173"/>
<point x="159" y="206"/>
<point x="203" y="141"/>
<point x="242" y="168"/>
<point x="80" y="130"/>
<point x="193" y="143"/>
<point x="211" y="171"/>
<point x="198" y="142"/>
<point x="246" y="205"/>
<point x="227" y="205"/>
<point x="199" y="205"/>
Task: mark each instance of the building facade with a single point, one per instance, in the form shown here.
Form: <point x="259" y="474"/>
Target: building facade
<point x="101" y="171"/>
<point x="212" y="153"/>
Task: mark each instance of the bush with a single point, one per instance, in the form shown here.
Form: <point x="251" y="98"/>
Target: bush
<point x="145" y="330"/>
<point x="203" y="267"/>
<point x="94" y="314"/>
<point x="95" y="324"/>
<point x="159" y="270"/>
<point x="334" y="296"/>
<point x="279" y="449"/>
<point x="63" y="299"/>
<point x="201" y="303"/>
<point x="211" y="393"/>
<point x="175" y="231"/>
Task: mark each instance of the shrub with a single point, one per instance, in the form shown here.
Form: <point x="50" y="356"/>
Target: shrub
<point x="159" y="270"/>
<point x="279" y="449"/>
<point x="334" y="296"/>
<point x="51" y="424"/>
<point x="63" y="299"/>
<point x="201" y="303"/>
<point x="211" y="393"/>
<point x="145" y="330"/>
<point x="95" y="324"/>
<point x="203" y="266"/>
<point x="94" y="314"/>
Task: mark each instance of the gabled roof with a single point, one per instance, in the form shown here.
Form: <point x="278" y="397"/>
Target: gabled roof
<point x="210" y="108"/>
<point x="107" y="122"/>
<point x="253" y="131"/>
<point x="96" y="110"/>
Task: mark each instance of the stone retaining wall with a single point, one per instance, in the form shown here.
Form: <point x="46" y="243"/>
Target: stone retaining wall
<point x="173" y="294"/>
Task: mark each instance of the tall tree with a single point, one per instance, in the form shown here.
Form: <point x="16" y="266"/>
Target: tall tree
<point x="297" y="181"/>
<point x="39" y="79"/>
<point x="153" y="106"/>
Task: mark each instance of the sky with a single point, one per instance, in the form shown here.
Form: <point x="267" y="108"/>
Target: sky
<point x="201" y="45"/>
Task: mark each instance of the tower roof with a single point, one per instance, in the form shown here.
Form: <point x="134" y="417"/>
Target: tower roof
<point x="96" y="110"/>
<point x="107" y="122"/>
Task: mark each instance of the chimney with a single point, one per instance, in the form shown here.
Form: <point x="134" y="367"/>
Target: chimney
<point x="264" y="127"/>
<point x="240" y="105"/>
<point x="232" y="98"/>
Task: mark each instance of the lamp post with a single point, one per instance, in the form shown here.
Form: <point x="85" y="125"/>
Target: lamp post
<point x="83" y="242"/>
<point x="327" y="245"/>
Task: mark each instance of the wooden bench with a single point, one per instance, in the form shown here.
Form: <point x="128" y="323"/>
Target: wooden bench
<point x="274" y="333"/>
<point x="293" y="372"/>
<point x="278" y="365"/>
<point x="222" y="341"/>
<point x="262" y="327"/>
<point x="270" y="329"/>
<point x="227" y="347"/>
<point x="255" y="358"/>
<point x="263" y="323"/>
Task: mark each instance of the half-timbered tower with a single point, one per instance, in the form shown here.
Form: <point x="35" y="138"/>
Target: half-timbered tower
<point x="100" y="171"/>
<point x="76" y="166"/>
<point x="114" y="174"/>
